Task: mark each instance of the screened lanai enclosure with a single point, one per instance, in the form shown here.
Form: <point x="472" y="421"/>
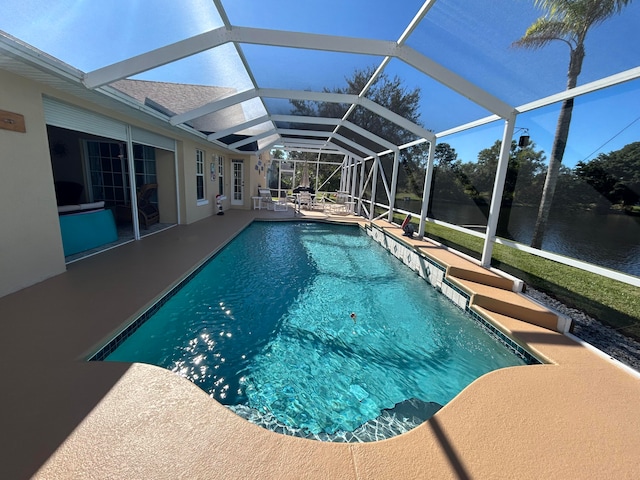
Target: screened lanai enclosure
<point x="515" y="122"/>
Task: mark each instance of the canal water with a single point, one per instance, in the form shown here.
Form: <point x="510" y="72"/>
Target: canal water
<point x="610" y="241"/>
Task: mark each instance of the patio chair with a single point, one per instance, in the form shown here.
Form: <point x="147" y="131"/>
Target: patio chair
<point x="148" y="212"/>
<point x="306" y="200"/>
<point x="339" y="205"/>
<point x="317" y="202"/>
<point x="281" y="204"/>
<point x="266" y="199"/>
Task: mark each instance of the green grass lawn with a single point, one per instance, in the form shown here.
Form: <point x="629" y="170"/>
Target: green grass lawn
<point x="611" y="302"/>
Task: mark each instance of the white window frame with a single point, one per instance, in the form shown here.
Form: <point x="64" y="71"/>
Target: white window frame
<point x="200" y="156"/>
<point x="220" y="175"/>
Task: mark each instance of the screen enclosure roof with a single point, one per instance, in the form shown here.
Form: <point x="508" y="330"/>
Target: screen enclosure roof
<point x="230" y="70"/>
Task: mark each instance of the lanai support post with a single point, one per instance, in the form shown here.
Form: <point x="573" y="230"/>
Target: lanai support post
<point x="394" y="184"/>
<point x="317" y="172"/>
<point x="343" y="173"/>
<point x="354" y="182"/>
<point x="361" y="186"/>
<point x="426" y="193"/>
<point x="498" y="189"/>
<point x="347" y="184"/>
<point x="374" y="184"/>
<point x="132" y="185"/>
<point x="177" y="177"/>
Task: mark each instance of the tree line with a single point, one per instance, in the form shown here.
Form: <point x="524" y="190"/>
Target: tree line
<point x="611" y="180"/>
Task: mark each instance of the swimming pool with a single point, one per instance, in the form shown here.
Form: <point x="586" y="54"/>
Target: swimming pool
<point x="314" y="330"/>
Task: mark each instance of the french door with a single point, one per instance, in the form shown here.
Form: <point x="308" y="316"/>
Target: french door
<point x="237" y="195"/>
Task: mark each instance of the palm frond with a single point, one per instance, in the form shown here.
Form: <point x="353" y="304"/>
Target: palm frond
<point x="553" y="7"/>
<point x="581" y="12"/>
<point x="542" y="32"/>
<point x="597" y="12"/>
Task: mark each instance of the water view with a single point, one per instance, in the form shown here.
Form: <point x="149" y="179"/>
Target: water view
<point x="610" y="241"/>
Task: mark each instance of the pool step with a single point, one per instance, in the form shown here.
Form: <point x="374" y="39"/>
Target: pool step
<point x="510" y="304"/>
<point x="455" y="265"/>
<point x="458" y="267"/>
<point x="477" y="274"/>
<point x="491" y="294"/>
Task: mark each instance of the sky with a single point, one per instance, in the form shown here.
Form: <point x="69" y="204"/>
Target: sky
<point x="471" y="39"/>
<point x="602" y="122"/>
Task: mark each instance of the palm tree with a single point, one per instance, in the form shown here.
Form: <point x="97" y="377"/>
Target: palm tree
<point x="567" y="21"/>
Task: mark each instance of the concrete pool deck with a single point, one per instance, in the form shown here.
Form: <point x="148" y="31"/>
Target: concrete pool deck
<point x="62" y="417"/>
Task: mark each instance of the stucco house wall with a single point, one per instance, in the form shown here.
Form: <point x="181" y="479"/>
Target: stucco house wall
<point x="30" y="244"/>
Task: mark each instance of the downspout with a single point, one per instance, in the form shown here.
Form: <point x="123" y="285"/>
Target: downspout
<point x="498" y="189"/>
<point x="132" y="185"/>
<point x="426" y="194"/>
<point x="394" y="184"/>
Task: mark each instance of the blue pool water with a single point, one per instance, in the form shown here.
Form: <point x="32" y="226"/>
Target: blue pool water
<point x="266" y="327"/>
